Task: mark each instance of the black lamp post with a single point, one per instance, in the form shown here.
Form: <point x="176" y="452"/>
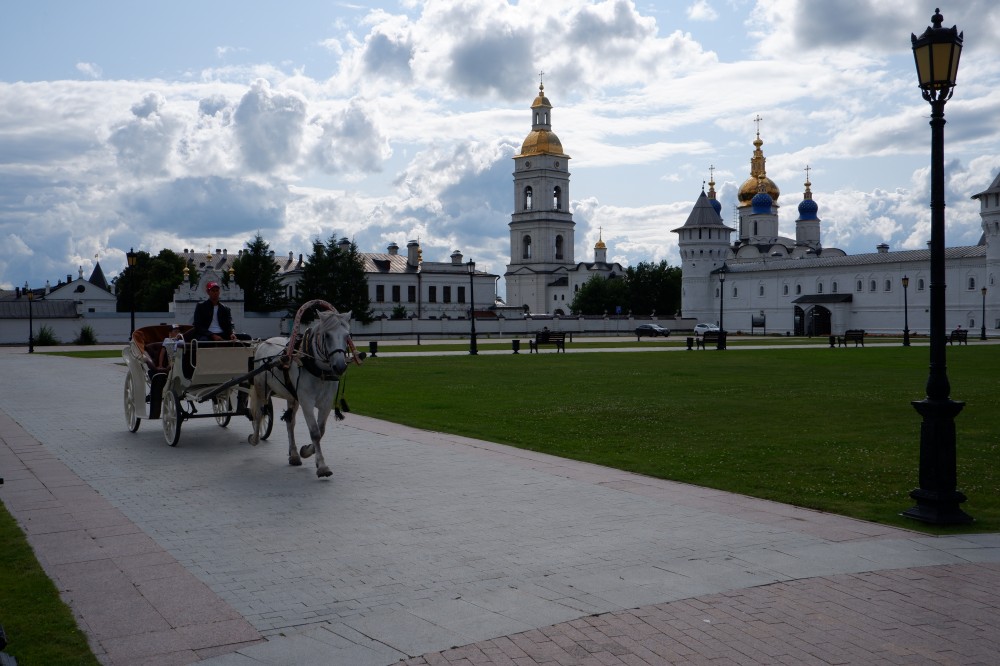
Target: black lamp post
<point x="131" y="256"/>
<point x="982" y="332"/>
<point x="31" y="319"/>
<point x="906" y="313"/>
<point x="473" y="348"/>
<point x="721" y="344"/>
<point x="936" y="53"/>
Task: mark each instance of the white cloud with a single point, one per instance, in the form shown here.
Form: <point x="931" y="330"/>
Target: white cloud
<point x="701" y="11"/>
<point x="89" y="69"/>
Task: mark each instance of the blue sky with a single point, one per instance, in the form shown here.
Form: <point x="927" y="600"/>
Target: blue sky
<point x="196" y="125"/>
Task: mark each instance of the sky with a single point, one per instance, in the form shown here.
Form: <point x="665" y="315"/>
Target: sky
<point x="200" y="124"/>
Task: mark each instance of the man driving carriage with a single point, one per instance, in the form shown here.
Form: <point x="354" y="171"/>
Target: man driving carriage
<point x="213" y="320"/>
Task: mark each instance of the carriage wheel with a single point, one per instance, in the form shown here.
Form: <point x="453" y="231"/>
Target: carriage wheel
<point x="222" y="405"/>
<point x="131" y="420"/>
<point x="172" y="416"/>
<point x="267" y="421"/>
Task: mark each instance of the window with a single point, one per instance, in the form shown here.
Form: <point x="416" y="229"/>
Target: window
<point x="760" y="290"/>
<point x="920" y="284"/>
<point x="798" y="289"/>
<point x="559" y="247"/>
<point x="555" y="297"/>
<point x="860" y="287"/>
<point x="527" y="198"/>
<point x="395" y="293"/>
<point x="888" y="285"/>
<point x="819" y="288"/>
<point x="972" y="283"/>
<point x="380" y="293"/>
<point x="872" y="286"/>
<point x="447" y="295"/>
<point x="784" y="290"/>
<point x="461" y="294"/>
<point x="835" y="287"/>
<point x="526" y="247"/>
<point x="734" y="292"/>
<point x="557" y="198"/>
<point x="432" y="294"/>
<point x="411" y="294"/>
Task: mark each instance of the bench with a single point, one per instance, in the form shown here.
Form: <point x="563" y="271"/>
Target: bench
<point x="959" y="335"/>
<point x="855" y="336"/>
<point x="708" y="338"/>
<point x="548" y="338"/>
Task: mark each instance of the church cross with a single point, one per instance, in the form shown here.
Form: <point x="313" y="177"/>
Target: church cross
<point x="756" y="121"/>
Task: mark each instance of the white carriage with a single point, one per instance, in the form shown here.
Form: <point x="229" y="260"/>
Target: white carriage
<point x="166" y="380"/>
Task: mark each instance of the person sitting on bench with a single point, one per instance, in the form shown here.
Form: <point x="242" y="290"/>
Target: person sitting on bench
<point x="213" y="320"/>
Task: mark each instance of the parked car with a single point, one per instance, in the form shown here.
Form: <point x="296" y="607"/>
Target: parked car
<point x="702" y="329"/>
<point x="651" y="330"/>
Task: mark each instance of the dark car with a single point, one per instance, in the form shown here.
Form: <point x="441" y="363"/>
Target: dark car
<point x="651" y="330"/>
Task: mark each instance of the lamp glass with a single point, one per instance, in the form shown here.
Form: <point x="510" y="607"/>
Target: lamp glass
<point x="906" y="282"/>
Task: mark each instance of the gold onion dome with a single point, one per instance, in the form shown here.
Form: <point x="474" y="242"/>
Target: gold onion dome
<point x="758" y="178"/>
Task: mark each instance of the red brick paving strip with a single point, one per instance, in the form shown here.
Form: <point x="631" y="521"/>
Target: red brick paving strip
<point x="928" y="615"/>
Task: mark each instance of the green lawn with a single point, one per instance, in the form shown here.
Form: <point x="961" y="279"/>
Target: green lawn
<point x="827" y="429"/>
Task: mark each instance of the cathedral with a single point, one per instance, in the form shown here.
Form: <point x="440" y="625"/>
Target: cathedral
<point x="764" y="282"/>
<point x="543" y="276"/>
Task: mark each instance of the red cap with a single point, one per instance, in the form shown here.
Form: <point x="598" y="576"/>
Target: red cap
<point x="211" y="285"/>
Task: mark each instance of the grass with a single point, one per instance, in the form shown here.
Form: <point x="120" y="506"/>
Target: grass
<point x="40" y="628"/>
<point x="826" y="429"/>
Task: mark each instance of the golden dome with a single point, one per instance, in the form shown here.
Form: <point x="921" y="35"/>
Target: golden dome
<point x="542" y="142"/>
<point x="758" y="177"/>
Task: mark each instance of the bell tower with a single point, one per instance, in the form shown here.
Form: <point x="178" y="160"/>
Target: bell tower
<point x="541" y="226"/>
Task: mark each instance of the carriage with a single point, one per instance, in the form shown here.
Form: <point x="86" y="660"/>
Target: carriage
<point x="167" y="380"/>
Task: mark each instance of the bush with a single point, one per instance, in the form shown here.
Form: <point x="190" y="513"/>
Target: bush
<point x="86" y="336"/>
<point x="46" y="337"/>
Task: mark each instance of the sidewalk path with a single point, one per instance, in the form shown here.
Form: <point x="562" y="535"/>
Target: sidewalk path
<point x="422" y="543"/>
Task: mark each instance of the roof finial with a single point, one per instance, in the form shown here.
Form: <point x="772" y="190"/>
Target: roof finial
<point x="756" y="121"/>
<point x="808" y="193"/>
<point x="541" y="84"/>
<point x="711" y="182"/>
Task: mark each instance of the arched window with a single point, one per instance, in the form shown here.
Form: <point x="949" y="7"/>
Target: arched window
<point x="888" y="285"/>
<point x="527" y="198"/>
<point x="819" y="288"/>
<point x="860" y="287"/>
<point x="716" y="292"/>
<point x="872" y="287"/>
<point x="920" y="284"/>
<point x="754" y="228"/>
<point x="557" y="198"/>
<point x="972" y="283"/>
<point x="760" y="290"/>
<point x="559" y="247"/>
<point x="526" y="247"/>
<point x="784" y="290"/>
<point x="798" y="289"/>
<point x="734" y="292"/>
<point x="835" y="287"/>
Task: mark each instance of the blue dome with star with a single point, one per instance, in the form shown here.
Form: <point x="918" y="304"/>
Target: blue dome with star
<point x="808" y="209"/>
<point x="761" y="203"/>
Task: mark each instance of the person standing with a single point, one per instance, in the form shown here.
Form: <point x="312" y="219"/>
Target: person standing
<point x="213" y="320"/>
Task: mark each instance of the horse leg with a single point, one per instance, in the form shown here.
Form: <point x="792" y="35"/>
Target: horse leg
<point x="317" y="426"/>
<point x="257" y="391"/>
<point x="293" y="453"/>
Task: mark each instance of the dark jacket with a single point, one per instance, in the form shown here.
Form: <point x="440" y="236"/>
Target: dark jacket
<point x="203" y="319"/>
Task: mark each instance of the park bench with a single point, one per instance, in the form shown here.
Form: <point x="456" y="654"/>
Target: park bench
<point x="547" y="338"/>
<point x="855" y="336"/>
<point x="708" y="338"/>
<point x="959" y="335"/>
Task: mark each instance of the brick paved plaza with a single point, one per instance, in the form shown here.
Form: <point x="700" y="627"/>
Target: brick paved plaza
<point x="437" y="549"/>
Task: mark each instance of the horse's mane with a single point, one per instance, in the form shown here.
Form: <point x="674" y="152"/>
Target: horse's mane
<point x="316" y="302"/>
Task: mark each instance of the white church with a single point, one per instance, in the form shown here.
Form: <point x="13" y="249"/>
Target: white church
<point x="769" y="283"/>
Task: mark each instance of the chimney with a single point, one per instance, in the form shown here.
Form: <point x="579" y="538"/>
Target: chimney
<point x="456" y="258"/>
<point x="393" y="249"/>
<point x="345" y="245"/>
<point x="413" y="253"/>
<point x="882" y="248"/>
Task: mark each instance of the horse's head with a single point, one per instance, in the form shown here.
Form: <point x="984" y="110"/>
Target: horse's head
<point x="332" y="335"/>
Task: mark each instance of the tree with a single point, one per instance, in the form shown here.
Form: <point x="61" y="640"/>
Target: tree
<point x="600" y="295"/>
<point x="154" y="280"/>
<point x="654" y="287"/>
<point x="257" y="274"/>
<point x="335" y="273"/>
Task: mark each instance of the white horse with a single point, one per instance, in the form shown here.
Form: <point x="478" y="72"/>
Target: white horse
<point x="311" y="379"/>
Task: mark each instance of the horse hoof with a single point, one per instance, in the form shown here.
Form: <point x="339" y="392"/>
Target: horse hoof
<point x="294" y="462"/>
<point x="323" y="471"/>
<point x="253" y="442"/>
<point x="306" y="451"/>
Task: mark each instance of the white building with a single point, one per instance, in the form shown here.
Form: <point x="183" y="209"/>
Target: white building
<point x="542" y="276"/>
<point x="777" y="284"/>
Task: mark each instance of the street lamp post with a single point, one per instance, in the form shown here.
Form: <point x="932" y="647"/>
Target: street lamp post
<point x="936" y="54"/>
<point x="982" y="331"/>
<point x="906" y="313"/>
<point x="473" y="348"/>
<point x="721" y="344"/>
<point x="31" y="319"/>
<point x="131" y="257"/>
